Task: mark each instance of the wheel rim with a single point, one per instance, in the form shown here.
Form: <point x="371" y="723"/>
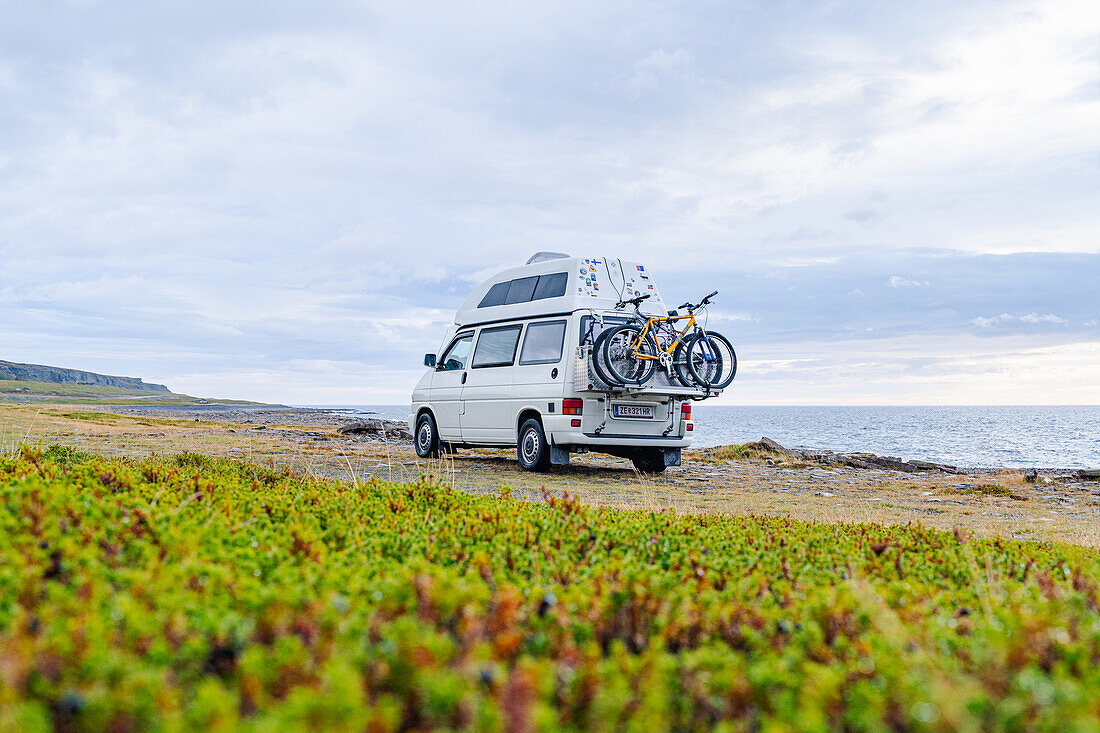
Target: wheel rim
<point x="530" y="446"/>
<point x="424" y="437"/>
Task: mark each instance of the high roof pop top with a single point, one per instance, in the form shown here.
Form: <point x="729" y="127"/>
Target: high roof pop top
<point x="552" y="283"/>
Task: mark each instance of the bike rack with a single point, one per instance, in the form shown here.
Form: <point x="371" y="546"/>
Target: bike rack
<point x="585" y="379"/>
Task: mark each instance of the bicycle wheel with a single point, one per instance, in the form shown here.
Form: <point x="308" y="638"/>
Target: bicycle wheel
<point x="618" y="354"/>
<point x="711" y="357"/>
<point x="684" y="374"/>
<point x="598" y="364"/>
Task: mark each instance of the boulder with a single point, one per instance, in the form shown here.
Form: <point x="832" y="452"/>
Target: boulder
<point x="380" y="429"/>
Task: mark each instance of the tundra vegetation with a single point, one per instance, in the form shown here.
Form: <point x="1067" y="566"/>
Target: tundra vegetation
<point x="198" y="592"/>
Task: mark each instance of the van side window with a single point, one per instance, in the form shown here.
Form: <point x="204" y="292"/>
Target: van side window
<point x="455" y="356"/>
<point x="521" y="290"/>
<point x="543" y="342"/>
<point x="526" y="289"/>
<point x="551" y="286"/>
<point x="496" y="346"/>
<point x="496" y="295"/>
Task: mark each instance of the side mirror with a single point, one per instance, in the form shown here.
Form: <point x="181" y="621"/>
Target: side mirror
<point x="429" y="360"/>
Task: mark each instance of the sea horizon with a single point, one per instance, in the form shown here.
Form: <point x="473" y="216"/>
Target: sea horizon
<point x="968" y="436"/>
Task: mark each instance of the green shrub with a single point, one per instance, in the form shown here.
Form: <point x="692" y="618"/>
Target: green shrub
<point x="206" y="593"/>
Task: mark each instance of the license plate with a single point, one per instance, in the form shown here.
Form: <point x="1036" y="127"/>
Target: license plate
<point x="641" y="412"/>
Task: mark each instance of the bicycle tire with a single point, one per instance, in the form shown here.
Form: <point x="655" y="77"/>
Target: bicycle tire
<point x="704" y="352"/>
<point x="623" y="367"/>
<point x="601" y="371"/>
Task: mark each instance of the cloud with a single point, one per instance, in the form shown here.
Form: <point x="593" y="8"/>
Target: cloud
<point x="897" y="281"/>
<point x="1025" y="318"/>
<point x="290" y="202"/>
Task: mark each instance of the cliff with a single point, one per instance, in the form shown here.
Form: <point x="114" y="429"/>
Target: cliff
<point x="39" y="373"/>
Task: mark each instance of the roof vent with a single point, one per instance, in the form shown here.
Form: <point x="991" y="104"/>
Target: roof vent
<point x="546" y="257"/>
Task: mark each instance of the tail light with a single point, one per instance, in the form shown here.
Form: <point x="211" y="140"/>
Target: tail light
<point x="690" y="427"/>
<point x="572" y="406"/>
<point x="685" y="410"/>
<point x="574" y="423"/>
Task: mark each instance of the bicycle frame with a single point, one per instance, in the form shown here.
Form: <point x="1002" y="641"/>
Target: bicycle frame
<point x="655" y="324"/>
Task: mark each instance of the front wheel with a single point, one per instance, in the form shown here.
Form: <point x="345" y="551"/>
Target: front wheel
<point x="532" y="450"/>
<point x="630" y="357"/>
<point x="712" y="360"/>
<point x="426" y="439"/>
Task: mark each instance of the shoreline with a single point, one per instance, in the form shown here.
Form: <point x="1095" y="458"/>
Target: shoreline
<point x="309" y="441"/>
<point x="338" y="416"/>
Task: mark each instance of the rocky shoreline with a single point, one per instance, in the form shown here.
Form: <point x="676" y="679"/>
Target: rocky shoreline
<point x="762" y="477"/>
<point x="394" y="431"/>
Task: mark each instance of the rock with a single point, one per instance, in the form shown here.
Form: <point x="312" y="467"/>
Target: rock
<point x="855" y="460"/>
<point x="775" y="447"/>
<point x="1031" y="475"/>
<point x="381" y="429"/>
<point x="1089" y="474"/>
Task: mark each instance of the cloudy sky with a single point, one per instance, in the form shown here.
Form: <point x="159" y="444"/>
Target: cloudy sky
<point x="898" y="202"/>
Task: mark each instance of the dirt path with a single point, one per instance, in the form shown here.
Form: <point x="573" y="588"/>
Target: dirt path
<point x="996" y="503"/>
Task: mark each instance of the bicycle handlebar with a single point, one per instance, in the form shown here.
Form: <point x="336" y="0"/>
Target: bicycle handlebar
<point x="636" y="301"/>
<point x="705" y="301"/>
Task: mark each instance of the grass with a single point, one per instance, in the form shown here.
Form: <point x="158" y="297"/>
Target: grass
<point x="197" y="592"/>
<point x="56" y="393"/>
<point x="986" y="489"/>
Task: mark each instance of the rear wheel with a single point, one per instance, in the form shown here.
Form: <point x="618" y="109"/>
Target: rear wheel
<point x="629" y="357"/>
<point x="598" y="365"/>
<point x="532" y="450"/>
<point x="649" y="460"/>
<point x="426" y="440"/>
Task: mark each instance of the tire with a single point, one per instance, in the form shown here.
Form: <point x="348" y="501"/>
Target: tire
<point x="600" y="369"/>
<point x="649" y="460"/>
<point x="724" y="356"/>
<point x="704" y="361"/>
<point x="426" y="439"/>
<point x="623" y="367"/>
<point x="680" y="366"/>
<point x="532" y="449"/>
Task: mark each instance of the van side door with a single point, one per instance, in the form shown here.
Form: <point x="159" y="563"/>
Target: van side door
<point x="540" y="372"/>
<point x="488" y="390"/>
<point x="446" y="393"/>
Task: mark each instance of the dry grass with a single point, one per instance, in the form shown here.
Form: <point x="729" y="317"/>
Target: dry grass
<point x="706" y="483"/>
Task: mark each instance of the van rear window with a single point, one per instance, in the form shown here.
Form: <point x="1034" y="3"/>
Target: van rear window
<point x="526" y="289"/>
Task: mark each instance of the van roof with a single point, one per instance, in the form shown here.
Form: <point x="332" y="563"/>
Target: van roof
<point x="559" y="284"/>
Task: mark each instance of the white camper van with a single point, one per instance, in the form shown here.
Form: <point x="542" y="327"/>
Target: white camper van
<point x="515" y="370"/>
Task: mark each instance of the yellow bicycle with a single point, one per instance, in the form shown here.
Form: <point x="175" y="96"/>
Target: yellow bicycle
<point x="692" y="355"/>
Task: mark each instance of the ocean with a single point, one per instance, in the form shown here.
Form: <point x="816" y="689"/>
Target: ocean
<point x="966" y="436"/>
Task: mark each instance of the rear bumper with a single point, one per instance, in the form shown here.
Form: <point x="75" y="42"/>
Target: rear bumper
<point x="559" y="432"/>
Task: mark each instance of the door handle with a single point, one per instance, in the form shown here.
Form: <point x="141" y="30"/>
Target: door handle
<point x="464" y="377"/>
